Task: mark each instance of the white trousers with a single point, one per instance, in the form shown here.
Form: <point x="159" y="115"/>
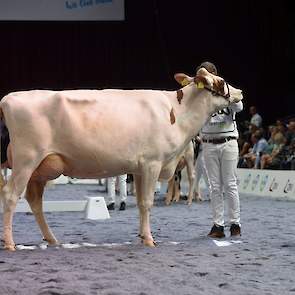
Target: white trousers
<point x="112" y="188"/>
<point x="221" y="165"/>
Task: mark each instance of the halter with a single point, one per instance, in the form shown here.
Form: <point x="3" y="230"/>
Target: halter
<point x="216" y="93"/>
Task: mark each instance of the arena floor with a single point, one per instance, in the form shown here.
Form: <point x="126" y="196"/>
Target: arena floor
<point x="106" y="257"/>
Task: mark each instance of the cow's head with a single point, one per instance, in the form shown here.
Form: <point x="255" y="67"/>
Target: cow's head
<point x="213" y="84"/>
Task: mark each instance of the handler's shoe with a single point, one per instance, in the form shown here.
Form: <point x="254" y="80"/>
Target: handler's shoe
<point x="216" y="232"/>
<point x="235" y="230"/>
<point x="122" y="206"/>
<point x="111" y="206"/>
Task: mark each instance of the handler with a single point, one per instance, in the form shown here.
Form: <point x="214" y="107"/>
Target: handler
<point x="220" y="151"/>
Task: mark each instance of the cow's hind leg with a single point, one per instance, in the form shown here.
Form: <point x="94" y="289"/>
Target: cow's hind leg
<point x="10" y="195"/>
<point x="9" y="201"/>
<point x="34" y="194"/>
<point x="170" y="191"/>
<point x="176" y="197"/>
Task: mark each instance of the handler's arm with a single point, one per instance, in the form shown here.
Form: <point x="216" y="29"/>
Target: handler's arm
<point x="236" y="107"/>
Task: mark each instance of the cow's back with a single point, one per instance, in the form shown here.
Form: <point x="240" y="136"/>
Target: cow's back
<point x="92" y="130"/>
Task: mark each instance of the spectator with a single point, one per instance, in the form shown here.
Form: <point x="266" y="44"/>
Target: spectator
<point x="252" y="159"/>
<point x="290" y="133"/>
<point x="112" y="192"/>
<point x="290" y="156"/>
<point x="270" y="158"/>
<point x="256" y="119"/>
<point x="287" y="156"/>
<point x="281" y="126"/>
<point x="273" y="130"/>
<point x="245" y="142"/>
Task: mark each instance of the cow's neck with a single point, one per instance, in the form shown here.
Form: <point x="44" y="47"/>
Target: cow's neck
<point x="192" y="111"/>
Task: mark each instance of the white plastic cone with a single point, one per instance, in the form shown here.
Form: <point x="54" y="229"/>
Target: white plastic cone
<point x="96" y="208"/>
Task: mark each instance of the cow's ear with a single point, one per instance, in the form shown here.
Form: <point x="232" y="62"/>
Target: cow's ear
<point x="201" y="81"/>
<point x="201" y="78"/>
<point x="183" y="79"/>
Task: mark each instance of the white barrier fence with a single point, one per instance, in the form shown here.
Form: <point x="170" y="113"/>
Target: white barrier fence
<point x="267" y="183"/>
<point x="277" y="184"/>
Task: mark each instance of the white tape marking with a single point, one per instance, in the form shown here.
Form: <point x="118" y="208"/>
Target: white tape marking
<point x="226" y="243"/>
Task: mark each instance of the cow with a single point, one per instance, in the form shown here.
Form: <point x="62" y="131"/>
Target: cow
<point x="187" y="160"/>
<point x="102" y="133"/>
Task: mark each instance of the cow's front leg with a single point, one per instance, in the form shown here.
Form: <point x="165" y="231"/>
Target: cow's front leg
<point x="34" y="194"/>
<point x="149" y="177"/>
<point x="137" y="182"/>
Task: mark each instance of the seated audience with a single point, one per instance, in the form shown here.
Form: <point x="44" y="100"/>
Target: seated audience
<point x="252" y="159"/>
<point x="273" y="149"/>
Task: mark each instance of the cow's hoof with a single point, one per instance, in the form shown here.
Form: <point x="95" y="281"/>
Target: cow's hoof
<point x="149" y="243"/>
<point x="189" y="203"/>
<point x="51" y="242"/>
<point x="167" y="203"/>
<point x="10" y="247"/>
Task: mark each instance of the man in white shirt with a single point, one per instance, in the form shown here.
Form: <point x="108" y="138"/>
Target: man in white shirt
<point x="256" y="119"/>
<point x="220" y="151"/>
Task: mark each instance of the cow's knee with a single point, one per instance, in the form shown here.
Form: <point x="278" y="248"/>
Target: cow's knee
<point x="146" y="204"/>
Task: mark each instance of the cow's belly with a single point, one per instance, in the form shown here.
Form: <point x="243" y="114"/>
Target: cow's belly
<point x="100" y="166"/>
<point x="55" y="164"/>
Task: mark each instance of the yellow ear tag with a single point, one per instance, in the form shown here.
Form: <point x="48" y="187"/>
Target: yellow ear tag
<point x="184" y="82"/>
<point x="200" y="85"/>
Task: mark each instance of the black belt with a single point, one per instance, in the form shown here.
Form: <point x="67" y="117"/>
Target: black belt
<point x="219" y="140"/>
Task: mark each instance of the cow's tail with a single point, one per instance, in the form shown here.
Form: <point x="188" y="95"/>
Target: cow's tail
<point x="2" y="181"/>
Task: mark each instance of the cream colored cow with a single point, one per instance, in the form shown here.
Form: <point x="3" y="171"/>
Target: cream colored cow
<point x="102" y="133"/>
<point x="173" y="191"/>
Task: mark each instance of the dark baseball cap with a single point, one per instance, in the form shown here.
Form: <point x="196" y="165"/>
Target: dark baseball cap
<point x="209" y="66"/>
